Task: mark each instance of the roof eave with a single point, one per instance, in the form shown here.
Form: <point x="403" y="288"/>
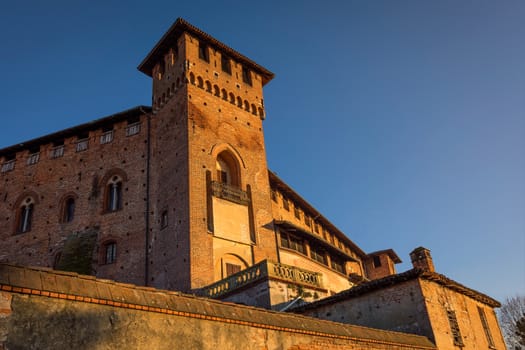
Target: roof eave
<point x="180" y="26"/>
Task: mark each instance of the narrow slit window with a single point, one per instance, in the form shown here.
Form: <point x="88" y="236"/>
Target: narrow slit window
<point x="454" y="328"/>
<point x="486" y="328"/>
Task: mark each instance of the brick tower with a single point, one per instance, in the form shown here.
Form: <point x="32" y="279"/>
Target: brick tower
<point x="210" y="191"/>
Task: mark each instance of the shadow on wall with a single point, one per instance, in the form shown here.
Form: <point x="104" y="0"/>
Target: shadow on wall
<point x="42" y="323"/>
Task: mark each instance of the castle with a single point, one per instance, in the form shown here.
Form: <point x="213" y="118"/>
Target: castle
<point x="178" y="196"/>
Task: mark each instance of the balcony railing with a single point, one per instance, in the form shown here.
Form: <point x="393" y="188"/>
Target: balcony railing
<point x="229" y="193"/>
<point x="264" y="269"/>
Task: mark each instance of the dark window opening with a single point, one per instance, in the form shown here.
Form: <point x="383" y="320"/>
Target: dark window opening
<point x="110" y="253"/>
<point x="232" y="269"/>
<point x="69" y="210"/>
<point x="286" y="205"/>
<point x="318" y="255"/>
<point x="164" y="219"/>
<point x="337" y="264"/>
<point x="296" y="212"/>
<point x="246" y="76"/>
<point x="203" y="52"/>
<point x="292" y="242"/>
<point x="273" y="195"/>
<point x="454" y="328"/>
<point x="226" y="65"/>
<point x="377" y="261"/>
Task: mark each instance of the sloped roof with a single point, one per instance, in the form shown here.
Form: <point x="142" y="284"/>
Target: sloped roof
<point x="392" y="280"/>
<point x="276" y="182"/>
<point x="390" y="252"/>
<point x="69" y="132"/>
<point x="88" y="289"/>
<point x="169" y="40"/>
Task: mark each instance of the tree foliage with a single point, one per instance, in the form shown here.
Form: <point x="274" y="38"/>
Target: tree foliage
<point x="512" y="319"/>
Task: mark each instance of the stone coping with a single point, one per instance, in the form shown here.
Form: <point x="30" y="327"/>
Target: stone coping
<point x="80" y="288"/>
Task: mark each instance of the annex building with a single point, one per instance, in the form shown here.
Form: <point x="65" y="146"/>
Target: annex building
<point x="177" y="196"/>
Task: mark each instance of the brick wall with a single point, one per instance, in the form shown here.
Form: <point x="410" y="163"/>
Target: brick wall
<point x="82" y="175"/>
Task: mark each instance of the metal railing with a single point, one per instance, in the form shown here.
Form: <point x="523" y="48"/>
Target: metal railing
<point x="264" y="269"/>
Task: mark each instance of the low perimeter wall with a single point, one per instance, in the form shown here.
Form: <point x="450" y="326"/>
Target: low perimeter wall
<point x="46" y="309"/>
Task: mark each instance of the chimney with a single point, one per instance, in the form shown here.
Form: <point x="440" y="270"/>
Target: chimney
<point x="422" y="259"/>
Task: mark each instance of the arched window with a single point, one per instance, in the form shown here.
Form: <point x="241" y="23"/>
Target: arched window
<point x="208" y="86"/>
<point x="192" y="78"/>
<point x="25" y="215"/>
<point x="68" y="209"/>
<point x="224" y="94"/>
<point x="254" y="109"/>
<point x="200" y="82"/>
<point x="227" y="169"/>
<point x="110" y="252"/>
<point x="232" y="98"/>
<point x="216" y="90"/>
<point x="246" y="105"/>
<point x="239" y="101"/>
<point x="114" y="194"/>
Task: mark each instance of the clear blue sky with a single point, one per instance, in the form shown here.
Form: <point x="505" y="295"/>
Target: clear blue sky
<point x="402" y="121"/>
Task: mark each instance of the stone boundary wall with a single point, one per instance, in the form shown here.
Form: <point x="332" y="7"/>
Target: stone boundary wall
<point x="42" y="308"/>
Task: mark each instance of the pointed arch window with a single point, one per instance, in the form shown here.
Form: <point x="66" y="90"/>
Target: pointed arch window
<point x="114" y="194"/>
<point x="25" y="215"/>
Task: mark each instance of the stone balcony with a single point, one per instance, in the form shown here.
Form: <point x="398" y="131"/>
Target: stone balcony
<point x="230" y="193"/>
<point x="264" y="271"/>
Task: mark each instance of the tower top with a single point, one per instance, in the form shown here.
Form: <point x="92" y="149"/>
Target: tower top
<point x="169" y="40"/>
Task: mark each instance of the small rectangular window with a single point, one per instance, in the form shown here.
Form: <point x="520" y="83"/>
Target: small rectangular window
<point x="486" y="328"/>
<point x="111" y="253"/>
<point x="9" y="163"/>
<point x="318" y="255"/>
<point x="285" y="243"/>
<point x="106" y="137"/>
<point x="297" y="244"/>
<point x="454" y="328"/>
<point x="296" y="212"/>
<point x="226" y="65"/>
<point x="232" y="269"/>
<point x="34" y="155"/>
<point x="246" y="76"/>
<point x="133" y="129"/>
<point x="33" y="158"/>
<point x="316" y="227"/>
<point x="58" y="149"/>
<point x="82" y="143"/>
<point x="204" y="52"/>
<point x="377" y="261"/>
<point x="337" y="264"/>
<point x="307" y="220"/>
<point x="286" y="205"/>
